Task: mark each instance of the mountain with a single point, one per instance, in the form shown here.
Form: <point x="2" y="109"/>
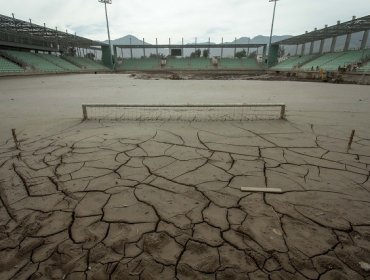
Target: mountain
<point x="126" y="41"/>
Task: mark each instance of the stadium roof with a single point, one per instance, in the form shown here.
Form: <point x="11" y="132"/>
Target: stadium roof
<point x="191" y="46"/>
<point x="21" y="32"/>
<point x="352" y="26"/>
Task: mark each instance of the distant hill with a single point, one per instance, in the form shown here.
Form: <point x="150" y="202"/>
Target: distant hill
<point x="126" y="41"/>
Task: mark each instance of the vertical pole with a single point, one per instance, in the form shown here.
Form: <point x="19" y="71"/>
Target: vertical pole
<point x="156" y="46"/>
<point x="195" y="44"/>
<point x="350" y="140"/>
<point x="131" y="48"/>
<point x="169" y="45"/>
<point x="144" y="47"/>
<point x="235" y="47"/>
<point x="15" y="138"/>
<point x="31" y="25"/>
<point x="222" y="47"/>
<point x="110" y="44"/>
<point x="209" y="46"/>
<point x="182" y="47"/>
<point x="84" y="112"/>
<point x="282" y="112"/>
<point x="15" y="25"/>
<point x="272" y="24"/>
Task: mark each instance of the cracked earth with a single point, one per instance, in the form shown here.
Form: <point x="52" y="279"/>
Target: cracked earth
<point x="163" y="201"/>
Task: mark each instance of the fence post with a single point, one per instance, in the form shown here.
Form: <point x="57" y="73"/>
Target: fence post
<point x="282" y="112"/>
<point x="84" y="112"/>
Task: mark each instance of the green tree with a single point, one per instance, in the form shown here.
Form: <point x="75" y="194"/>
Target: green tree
<point x="206" y="53"/>
<point x="197" y="53"/>
<point x="90" y="55"/>
<point x="241" y="54"/>
<point x="252" y="55"/>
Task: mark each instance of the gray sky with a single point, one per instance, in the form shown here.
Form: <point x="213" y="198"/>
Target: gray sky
<point x="188" y="19"/>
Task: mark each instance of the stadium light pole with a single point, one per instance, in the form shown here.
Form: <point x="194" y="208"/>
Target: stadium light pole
<point x="106" y="16"/>
<point x="272" y="24"/>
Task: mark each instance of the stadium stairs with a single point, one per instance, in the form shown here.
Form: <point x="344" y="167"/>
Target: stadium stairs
<point x="293" y="62"/>
<point x="86" y="64"/>
<point x="64" y="64"/>
<point x="33" y="62"/>
<point x="9" y="67"/>
<point x="326" y="62"/>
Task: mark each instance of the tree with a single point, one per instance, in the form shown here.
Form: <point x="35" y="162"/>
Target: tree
<point x="241" y="54"/>
<point x="281" y="51"/>
<point x="252" y="55"/>
<point x="90" y="55"/>
<point x="197" y="53"/>
<point x="159" y="56"/>
<point x="206" y="53"/>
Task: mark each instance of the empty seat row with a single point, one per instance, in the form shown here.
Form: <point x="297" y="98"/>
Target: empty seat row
<point x="34" y="61"/>
<point x="7" y="66"/>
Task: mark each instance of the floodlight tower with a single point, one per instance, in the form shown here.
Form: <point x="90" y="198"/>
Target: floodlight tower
<point x="106" y="16"/>
<point x="272" y="24"/>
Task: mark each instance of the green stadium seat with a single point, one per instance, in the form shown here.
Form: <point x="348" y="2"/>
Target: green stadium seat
<point x="239" y="64"/>
<point x="6" y="66"/>
<point x="64" y="64"/>
<point x="34" y="61"/>
<point x="85" y="63"/>
<point x="293" y="62"/>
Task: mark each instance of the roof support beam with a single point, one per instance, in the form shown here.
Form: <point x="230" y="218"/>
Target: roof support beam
<point x="364" y="39"/>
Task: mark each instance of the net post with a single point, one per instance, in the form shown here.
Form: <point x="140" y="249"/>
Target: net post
<point x="282" y="112"/>
<point x="84" y="112"/>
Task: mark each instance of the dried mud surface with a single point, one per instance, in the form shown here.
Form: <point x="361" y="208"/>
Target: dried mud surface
<point x="163" y="201"/>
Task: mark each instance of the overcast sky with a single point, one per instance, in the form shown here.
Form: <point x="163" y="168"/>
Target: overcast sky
<point x="189" y="19"/>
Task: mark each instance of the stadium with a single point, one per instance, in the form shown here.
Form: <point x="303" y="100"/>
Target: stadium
<point x="186" y="160"/>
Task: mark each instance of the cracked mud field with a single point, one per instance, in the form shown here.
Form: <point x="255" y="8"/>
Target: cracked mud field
<point x="130" y="200"/>
<point x="138" y="201"/>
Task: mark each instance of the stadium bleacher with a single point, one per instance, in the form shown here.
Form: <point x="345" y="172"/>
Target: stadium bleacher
<point x="326" y="62"/>
<point x="178" y="63"/>
<point x="33" y="60"/>
<point x="365" y="68"/>
<point x="239" y="63"/>
<point x="64" y="64"/>
<point x="85" y="63"/>
<point x="293" y="62"/>
<point x="200" y="63"/>
<point x="7" y="66"/>
<point x="321" y="61"/>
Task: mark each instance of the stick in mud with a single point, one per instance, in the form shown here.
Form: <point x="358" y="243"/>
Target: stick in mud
<point x="351" y="140"/>
<point x="15" y="138"/>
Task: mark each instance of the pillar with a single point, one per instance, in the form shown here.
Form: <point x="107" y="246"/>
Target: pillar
<point x="348" y="41"/>
<point x="333" y="43"/>
<point x="321" y="46"/>
<point x="365" y="37"/>
<point x="311" y="47"/>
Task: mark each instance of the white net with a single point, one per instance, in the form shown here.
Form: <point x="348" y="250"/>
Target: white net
<point x="188" y="112"/>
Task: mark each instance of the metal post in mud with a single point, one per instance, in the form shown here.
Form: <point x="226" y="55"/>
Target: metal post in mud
<point x="15" y="138"/>
<point x="351" y="140"/>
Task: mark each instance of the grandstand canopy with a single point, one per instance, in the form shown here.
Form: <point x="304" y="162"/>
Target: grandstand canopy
<point x="19" y="33"/>
<point x="349" y="27"/>
<point x="191" y="46"/>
